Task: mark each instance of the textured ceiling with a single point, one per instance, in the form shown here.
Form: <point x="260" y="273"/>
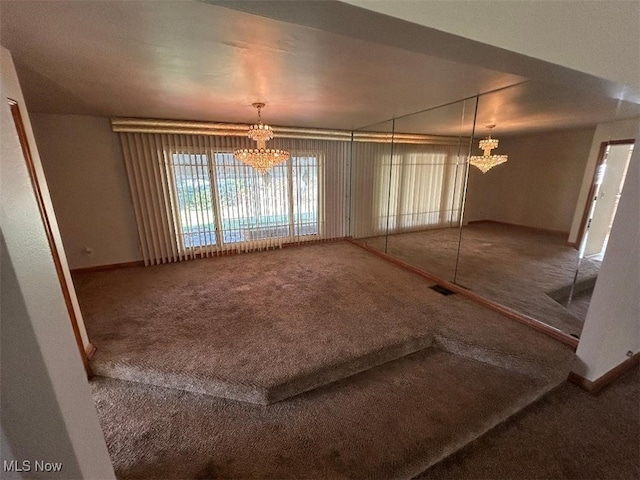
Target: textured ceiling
<point x="200" y="61"/>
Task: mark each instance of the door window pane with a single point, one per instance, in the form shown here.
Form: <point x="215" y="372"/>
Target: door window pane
<point x="252" y="206"/>
<point x="305" y="195"/>
<point x="228" y="202"/>
<point x="193" y="189"/>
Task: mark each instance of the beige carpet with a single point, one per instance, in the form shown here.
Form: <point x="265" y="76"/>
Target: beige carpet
<point x="569" y="434"/>
<point x="513" y="266"/>
<point x="268" y="319"/>
<point x="392" y="421"/>
<point x="265" y="326"/>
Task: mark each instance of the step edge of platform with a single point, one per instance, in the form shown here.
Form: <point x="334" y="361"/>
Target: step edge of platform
<point x="354" y="366"/>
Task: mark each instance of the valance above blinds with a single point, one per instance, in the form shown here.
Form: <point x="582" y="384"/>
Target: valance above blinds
<point x="183" y="127"/>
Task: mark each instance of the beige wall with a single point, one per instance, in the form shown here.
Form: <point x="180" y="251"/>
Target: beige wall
<point x="47" y="411"/>
<point x="83" y="164"/>
<point x="538" y="186"/>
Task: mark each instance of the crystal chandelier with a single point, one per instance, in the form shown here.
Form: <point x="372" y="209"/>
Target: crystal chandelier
<point x="487" y="161"/>
<point x="261" y="158"/>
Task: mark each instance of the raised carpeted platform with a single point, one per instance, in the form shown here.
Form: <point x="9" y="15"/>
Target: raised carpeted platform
<point x="270" y="325"/>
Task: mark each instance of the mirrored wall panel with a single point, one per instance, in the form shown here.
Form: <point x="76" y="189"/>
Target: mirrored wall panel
<point x="419" y="182"/>
<point x="523" y="219"/>
<point x="510" y="195"/>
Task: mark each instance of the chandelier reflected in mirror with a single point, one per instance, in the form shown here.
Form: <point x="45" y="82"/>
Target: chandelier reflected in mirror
<point x="487" y="161"/>
<point x="261" y="158"/>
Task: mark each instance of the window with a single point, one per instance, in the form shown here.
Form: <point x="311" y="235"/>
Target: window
<point x="221" y="201"/>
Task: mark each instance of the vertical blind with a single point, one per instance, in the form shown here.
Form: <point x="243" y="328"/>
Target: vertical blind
<point x="405" y="187"/>
<point x="192" y="198"/>
<point x="426" y="186"/>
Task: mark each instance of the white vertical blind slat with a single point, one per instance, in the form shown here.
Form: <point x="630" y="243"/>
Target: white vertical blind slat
<point x="129" y="161"/>
<point x="146" y="179"/>
<point x="168" y="145"/>
<point x="163" y="187"/>
<point x="157" y="200"/>
<point x="176" y="158"/>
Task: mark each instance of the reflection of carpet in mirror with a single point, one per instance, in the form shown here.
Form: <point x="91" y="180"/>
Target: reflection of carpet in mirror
<point x="579" y="305"/>
<point x="512" y="265"/>
<point x="576" y="299"/>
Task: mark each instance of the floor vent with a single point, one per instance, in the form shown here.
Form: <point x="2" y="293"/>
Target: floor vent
<point x="441" y="290"/>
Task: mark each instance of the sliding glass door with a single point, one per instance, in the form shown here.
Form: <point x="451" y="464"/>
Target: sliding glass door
<point x="220" y="201"/>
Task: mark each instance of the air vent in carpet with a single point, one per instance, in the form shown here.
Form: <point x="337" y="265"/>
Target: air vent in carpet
<point x="441" y="290"/>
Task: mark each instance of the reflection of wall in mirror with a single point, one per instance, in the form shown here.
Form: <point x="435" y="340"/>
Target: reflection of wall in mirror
<point x="539" y="185"/>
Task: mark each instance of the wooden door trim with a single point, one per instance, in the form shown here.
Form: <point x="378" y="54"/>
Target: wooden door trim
<point x="26" y="151"/>
<point x="592" y="189"/>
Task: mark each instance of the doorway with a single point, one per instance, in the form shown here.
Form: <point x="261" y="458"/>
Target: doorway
<point x="606" y="191"/>
<point x="64" y="284"/>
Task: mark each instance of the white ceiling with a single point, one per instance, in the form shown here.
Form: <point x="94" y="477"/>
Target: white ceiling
<point x="200" y="61"/>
